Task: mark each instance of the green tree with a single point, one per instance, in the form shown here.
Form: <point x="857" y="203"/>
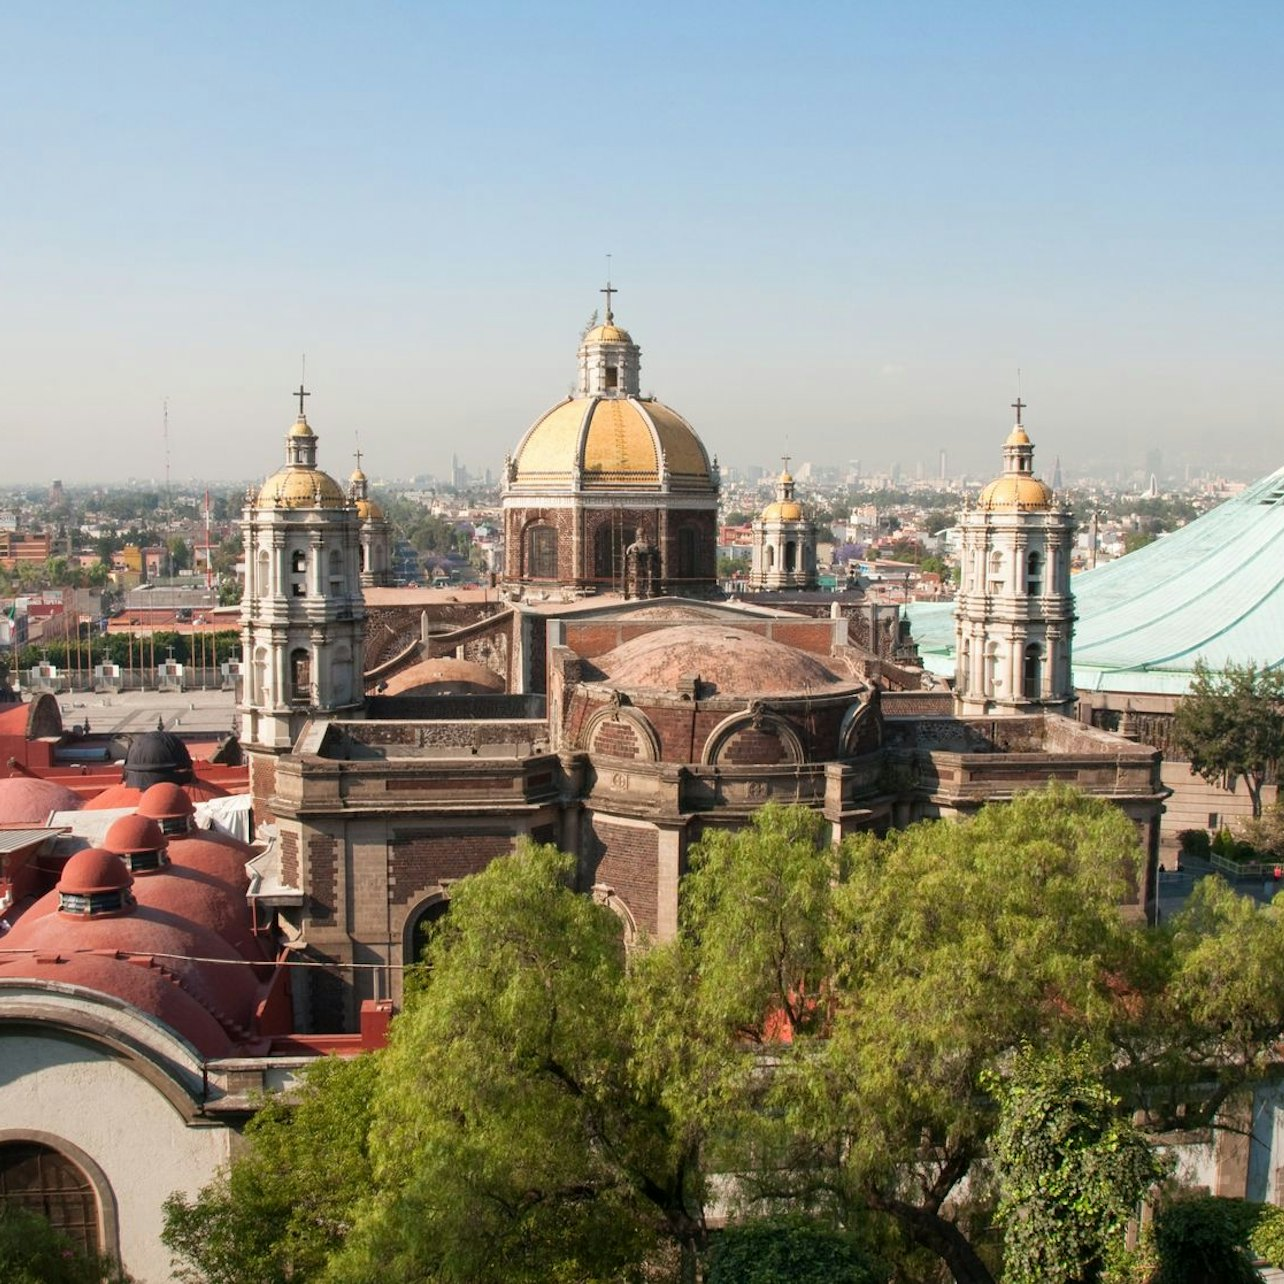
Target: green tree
<point x="33" y="1252"/>
<point x="789" y="1251"/>
<point x="1070" y="1170"/>
<point x="1205" y="1240"/>
<point x="286" y="1202"/>
<point x="1231" y="723"/>
<point x="512" y="1141"/>
<point x="950" y="945"/>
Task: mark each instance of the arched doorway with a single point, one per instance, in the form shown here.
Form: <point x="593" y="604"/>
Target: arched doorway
<point x="43" y="1180"/>
<point x="419" y="927"/>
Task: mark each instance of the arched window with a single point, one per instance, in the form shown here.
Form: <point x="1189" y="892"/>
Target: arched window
<point x="991" y="678"/>
<point x="1034" y="575"/>
<point x="688" y="552"/>
<point x="541" y="553"/>
<point x="298" y="573"/>
<point x="263" y="577"/>
<point x="336" y="572"/>
<point x="40" y="1179"/>
<point x="996" y="572"/>
<point x="770" y="552"/>
<point x="341" y="676"/>
<point x="1032" y="674"/>
<point x="791" y="556"/>
<point x="608" y="554"/>
<point x="259" y="687"/>
<point x="300" y="675"/>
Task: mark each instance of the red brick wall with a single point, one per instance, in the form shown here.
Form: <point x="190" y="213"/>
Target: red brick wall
<point x="262" y="786"/>
<point x="616" y="740"/>
<point x="423" y="861"/>
<point x="323" y="876"/>
<point x="750" y="747"/>
<point x="626" y="858"/>
<point x="290" y="859"/>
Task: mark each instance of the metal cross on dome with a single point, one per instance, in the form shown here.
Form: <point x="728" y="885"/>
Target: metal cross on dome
<point x="301" y="394"/>
<point x="1018" y="405"/>
<point x="608" y="291"/>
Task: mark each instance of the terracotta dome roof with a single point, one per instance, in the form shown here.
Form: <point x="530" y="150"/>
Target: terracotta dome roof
<point x="217" y="855"/>
<point x="115" y="797"/>
<point x="92" y="870"/>
<point x="369" y="511"/>
<point x="444" y="676"/>
<point x="204" y="964"/>
<point x="730" y="660"/>
<point x="149" y="988"/>
<point x="27" y="801"/>
<point x="198" y="896"/>
<point x="612" y="443"/>
<point x="165" y="801"/>
<point x="133" y="834"/>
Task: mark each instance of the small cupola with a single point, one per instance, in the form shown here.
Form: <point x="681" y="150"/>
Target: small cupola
<point x="170" y="806"/>
<point x="95" y="884"/>
<point x="139" y="842"/>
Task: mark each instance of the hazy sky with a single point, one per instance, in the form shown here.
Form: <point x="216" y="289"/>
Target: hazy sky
<point x="837" y="229"/>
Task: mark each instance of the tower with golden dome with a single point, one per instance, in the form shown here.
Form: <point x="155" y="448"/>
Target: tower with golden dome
<point x="605" y="470"/>
<point x="1014" y="614"/>
<point x="302" y="613"/>
<point x="375" y="549"/>
<point x="784" y="542"/>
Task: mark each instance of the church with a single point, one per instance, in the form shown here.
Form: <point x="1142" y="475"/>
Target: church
<point x="608" y="699"/>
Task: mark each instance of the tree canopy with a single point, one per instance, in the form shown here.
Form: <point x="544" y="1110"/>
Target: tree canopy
<point x="1231" y="723"/>
<point x="843" y="1036"/>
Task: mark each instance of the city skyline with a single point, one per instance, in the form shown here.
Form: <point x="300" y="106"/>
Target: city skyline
<point x="829" y="227"/>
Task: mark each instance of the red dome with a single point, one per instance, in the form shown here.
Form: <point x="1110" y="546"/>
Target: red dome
<point x="207" y="899"/>
<point x="114" y="797"/>
<point x="219" y="855"/>
<point x="134" y="834"/>
<point x="27" y="801"/>
<point x="165" y="802"/>
<point x="92" y="870"/>
<point x="150" y="988"/>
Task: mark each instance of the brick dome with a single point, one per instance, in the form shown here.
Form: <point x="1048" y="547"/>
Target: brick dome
<point x="731" y="661"/>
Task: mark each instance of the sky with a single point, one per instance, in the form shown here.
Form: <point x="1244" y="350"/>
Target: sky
<point x="838" y="230"/>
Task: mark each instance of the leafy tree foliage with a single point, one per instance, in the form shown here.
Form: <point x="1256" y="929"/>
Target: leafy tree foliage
<point x="33" y="1252"/>
<point x="1206" y="1241"/>
<point x="788" y="1250"/>
<point x="1070" y="1170"/>
<point x="834" y="1032"/>
<point x="286" y="1204"/>
<point x="1232" y="723"/>
<point x="512" y="1139"/>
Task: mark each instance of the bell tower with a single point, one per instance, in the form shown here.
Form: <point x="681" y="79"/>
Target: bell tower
<point x="1014" y="614"/>
<point x="302" y="612"/>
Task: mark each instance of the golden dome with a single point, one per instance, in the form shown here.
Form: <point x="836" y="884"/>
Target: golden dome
<point x="1015" y="494"/>
<point x="611" y="442"/>
<point x="298" y="487"/>
<point x="358" y="476"/>
<point x="300" y="428"/>
<point x="783" y="510"/>
<point x="369" y="511"/>
<point x="608" y="333"/>
<point x="1018" y="437"/>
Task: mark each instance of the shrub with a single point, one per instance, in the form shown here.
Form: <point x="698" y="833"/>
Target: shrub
<point x="1195" y="842"/>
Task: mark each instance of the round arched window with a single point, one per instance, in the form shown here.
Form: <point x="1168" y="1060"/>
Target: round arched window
<point x="44" y="1181"/>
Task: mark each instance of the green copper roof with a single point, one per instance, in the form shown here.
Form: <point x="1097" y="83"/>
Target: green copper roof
<point x="1214" y="589"/>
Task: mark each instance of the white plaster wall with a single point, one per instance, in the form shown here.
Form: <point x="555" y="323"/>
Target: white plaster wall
<point x="103" y="1106"/>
